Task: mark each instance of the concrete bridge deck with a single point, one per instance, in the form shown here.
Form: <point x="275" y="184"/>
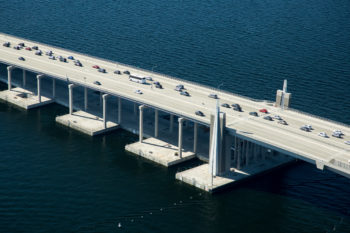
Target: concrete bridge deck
<point x="331" y="153"/>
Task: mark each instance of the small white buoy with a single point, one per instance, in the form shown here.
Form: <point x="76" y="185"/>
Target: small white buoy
<point x="161" y="209"/>
<point x="119" y="225"/>
<point x="150" y="212"/>
<point x="180" y="201"/>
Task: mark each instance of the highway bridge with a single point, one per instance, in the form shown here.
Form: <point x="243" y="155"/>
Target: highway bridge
<point x="326" y="153"/>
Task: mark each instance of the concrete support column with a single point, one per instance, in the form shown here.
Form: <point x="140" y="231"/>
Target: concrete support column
<point x="9" y="77"/>
<point x="70" y="88"/>
<point x="104" y="99"/>
<point x="171" y="127"/>
<point x="195" y="137"/>
<point x="141" y="107"/>
<point x="53" y="88"/>
<point x="181" y="120"/>
<point x="38" y="78"/>
<point x="211" y="130"/>
<point x="156" y="123"/>
<point x="247" y="153"/>
<point x="119" y="110"/>
<point x="24" y="78"/>
<point x="85" y="98"/>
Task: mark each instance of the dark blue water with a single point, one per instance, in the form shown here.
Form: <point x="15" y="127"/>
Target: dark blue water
<point x="56" y="180"/>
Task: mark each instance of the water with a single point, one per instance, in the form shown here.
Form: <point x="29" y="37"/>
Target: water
<point x="56" y="180"/>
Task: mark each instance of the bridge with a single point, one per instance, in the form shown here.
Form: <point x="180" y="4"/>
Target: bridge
<point x="243" y="135"/>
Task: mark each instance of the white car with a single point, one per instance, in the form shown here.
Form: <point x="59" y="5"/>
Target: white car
<point x="337" y="131"/>
<point x="138" y="92"/>
<point x="323" y="134"/>
<point x="347" y="142"/>
<point x="337" y="134"/>
<point x="308" y="126"/>
<point x="277" y="117"/>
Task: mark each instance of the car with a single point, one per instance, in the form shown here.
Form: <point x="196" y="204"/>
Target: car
<point x="28" y="48"/>
<point x="254" y="114"/>
<point x="347" y="142"/>
<point x="185" y="93"/>
<point x="304" y="128"/>
<point x="35" y="47"/>
<point x="309" y="126"/>
<point x="179" y="87"/>
<point x="138" y="92"/>
<point x="282" y="122"/>
<point x="70" y="57"/>
<point x="158" y="85"/>
<point x="21" y="59"/>
<point x="268" y="118"/>
<point x="149" y="78"/>
<point x="49" y="53"/>
<point x="277" y="117"/>
<point x="126" y="72"/>
<point x="338" y="132"/>
<point x="264" y="110"/>
<point x="323" y="134"/>
<point x="77" y="63"/>
<point x="102" y="70"/>
<point x="97" y="83"/>
<point x="238" y="109"/>
<point x="214" y="96"/>
<point x="117" y="72"/>
<point x="17" y="47"/>
<point x="199" y="113"/>
<point x="95" y="67"/>
<point x="337" y="135"/>
<point x="21" y="44"/>
<point x="63" y="59"/>
<point x="6" y="44"/>
<point x="39" y="52"/>
<point x="52" y="57"/>
<point x="225" y="105"/>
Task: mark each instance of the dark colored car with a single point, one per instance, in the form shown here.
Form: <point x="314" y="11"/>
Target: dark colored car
<point x="126" y="72"/>
<point x="21" y="59"/>
<point x="253" y="114"/>
<point x="21" y="44"/>
<point x="17" y="47"/>
<point x="6" y="44"/>
<point x="97" y="83"/>
<point x="225" y="105"/>
<point x="185" y="93"/>
<point x="38" y="53"/>
<point x="117" y="72"/>
<point x="29" y="48"/>
<point x="35" y="47"/>
<point x="268" y="118"/>
<point x="102" y="70"/>
<point x="199" y="113"/>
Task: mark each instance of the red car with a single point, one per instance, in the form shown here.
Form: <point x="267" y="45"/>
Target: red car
<point x="29" y="48"/>
<point x="263" y="110"/>
<point x="96" y="67"/>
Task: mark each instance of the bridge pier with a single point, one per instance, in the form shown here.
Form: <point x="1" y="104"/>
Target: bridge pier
<point x="181" y="120"/>
<point x="195" y="137"/>
<point x="9" y="77"/>
<point x="141" y="107"/>
<point x="156" y="123"/>
<point x="85" y="99"/>
<point x="70" y="89"/>
<point x="39" y="77"/>
<point x="104" y="97"/>
<point x="119" y="110"/>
